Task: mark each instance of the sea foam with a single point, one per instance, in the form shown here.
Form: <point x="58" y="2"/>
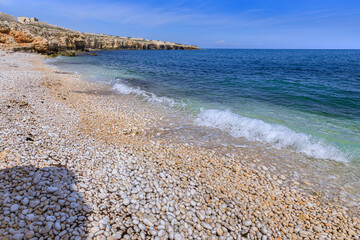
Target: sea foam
<point x="276" y="135"/>
<point x="149" y="97"/>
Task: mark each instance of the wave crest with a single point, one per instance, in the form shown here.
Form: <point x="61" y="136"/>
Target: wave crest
<point x="149" y="97"/>
<point x="276" y="135"/>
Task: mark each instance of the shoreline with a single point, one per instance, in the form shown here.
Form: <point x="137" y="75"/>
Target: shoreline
<point x="128" y="181"/>
<point x="332" y="180"/>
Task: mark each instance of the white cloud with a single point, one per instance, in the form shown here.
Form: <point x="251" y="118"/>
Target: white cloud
<point x="220" y="42"/>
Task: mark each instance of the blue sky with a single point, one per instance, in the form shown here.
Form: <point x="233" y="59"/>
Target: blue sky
<point x="208" y="24"/>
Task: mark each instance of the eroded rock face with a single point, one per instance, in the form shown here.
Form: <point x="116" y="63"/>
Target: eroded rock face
<point x="49" y="39"/>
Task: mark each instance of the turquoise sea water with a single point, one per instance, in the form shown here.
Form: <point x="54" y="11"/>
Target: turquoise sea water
<point x="304" y="100"/>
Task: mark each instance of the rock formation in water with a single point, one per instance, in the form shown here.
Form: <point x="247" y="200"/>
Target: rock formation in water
<point x="41" y="37"/>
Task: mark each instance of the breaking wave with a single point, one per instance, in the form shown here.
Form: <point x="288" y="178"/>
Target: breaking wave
<point x="275" y="135"/>
<point x="149" y="97"/>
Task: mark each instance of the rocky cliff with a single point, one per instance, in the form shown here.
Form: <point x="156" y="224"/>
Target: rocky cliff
<point x="49" y="39"/>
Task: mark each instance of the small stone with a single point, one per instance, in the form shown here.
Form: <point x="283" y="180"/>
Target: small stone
<point x="25" y="201"/>
<point x="34" y="203"/>
<point x="71" y="199"/>
<point x="153" y="232"/>
<point x="126" y="201"/>
<point x="37" y="178"/>
<point x="297" y="229"/>
<point x="57" y="226"/>
<point x="30" y="217"/>
<point x="318" y="229"/>
<point x="50" y="218"/>
<point x="178" y="236"/>
<point x="18" y="236"/>
<point x="47" y="228"/>
<point x="102" y="196"/>
<point x="207" y="226"/>
<point x="51" y="189"/>
<point x="351" y="232"/>
<point x="263" y="230"/>
<point x="148" y="190"/>
<point x="117" y="235"/>
<point x="247" y="223"/>
<point x="86" y="209"/>
<point x="200" y="215"/>
<point x="14" y="208"/>
<point x="142" y="226"/>
<point x="171" y="235"/>
<point x="29" y="234"/>
<point x="148" y="222"/>
<point x="161" y="233"/>
<point x="74" y="205"/>
<point x="304" y="234"/>
<point x="22" y="224"/>
<point x="219" y="231"/>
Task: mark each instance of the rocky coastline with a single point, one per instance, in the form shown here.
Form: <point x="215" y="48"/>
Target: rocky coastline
<point x="78" y="163"/>
<point x="48" y="39"/>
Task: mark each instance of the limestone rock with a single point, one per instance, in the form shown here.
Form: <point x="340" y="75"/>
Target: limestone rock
<point x="47" y="39"/>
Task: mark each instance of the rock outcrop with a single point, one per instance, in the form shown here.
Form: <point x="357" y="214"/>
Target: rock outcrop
<point x="7" y="17"/>
<point x="49" y="39"/>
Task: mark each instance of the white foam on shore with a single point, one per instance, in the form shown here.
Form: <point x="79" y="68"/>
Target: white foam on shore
<point x="149" y="97"/>
<point x="276" y="135"/>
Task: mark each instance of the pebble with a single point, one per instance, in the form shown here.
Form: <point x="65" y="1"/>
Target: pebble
<point x="200" y="215"/>
<point x="161" y="233"/>
<point x="37" y="178"/>
<point x="247" y="223"/>
<point x="148" y="222"/>
<point x="57" y="226"/>
<point x="263" y="230"/>
<point x="153" y="232"/>
<point x="51" y="189"/>
<point x="25" y="201"/>
<point x="18" y="236"/>
<point x="178" y="236"/>
<point x="47" y="228"/>
<point x="29" y="234"/>
<point x="219" y="231"/>
<point x="304" y="234"/>
<point x="126" y="201"/>
<point x="50" y="218"/>
<point x="207" y="226"/>
<point x="14" y="208"/>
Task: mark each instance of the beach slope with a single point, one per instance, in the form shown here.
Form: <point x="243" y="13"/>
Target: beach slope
<point x="77" y="163"/>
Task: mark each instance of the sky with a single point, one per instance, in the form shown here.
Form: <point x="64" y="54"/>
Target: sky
<point x="279" y="24"/>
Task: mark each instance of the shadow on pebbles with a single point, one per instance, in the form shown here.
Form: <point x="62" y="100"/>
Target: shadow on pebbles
<point x="41" y="204"/>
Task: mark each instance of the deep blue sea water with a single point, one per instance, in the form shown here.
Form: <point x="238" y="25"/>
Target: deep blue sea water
<point x="305" y="100"/>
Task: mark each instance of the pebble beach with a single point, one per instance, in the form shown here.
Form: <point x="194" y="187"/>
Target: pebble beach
<point x="78" y="162"/>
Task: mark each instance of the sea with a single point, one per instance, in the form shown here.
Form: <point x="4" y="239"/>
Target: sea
<point x="305" y="102"/>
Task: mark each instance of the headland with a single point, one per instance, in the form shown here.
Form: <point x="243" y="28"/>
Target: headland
<point x="30" y="35"/>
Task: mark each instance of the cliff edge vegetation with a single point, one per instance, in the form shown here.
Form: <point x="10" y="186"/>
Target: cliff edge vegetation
<point x="49" y="39"/>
